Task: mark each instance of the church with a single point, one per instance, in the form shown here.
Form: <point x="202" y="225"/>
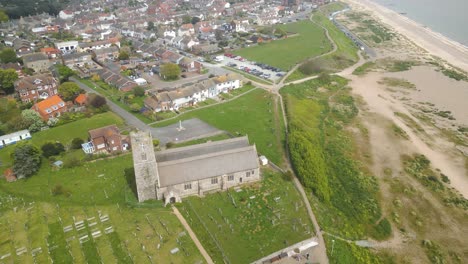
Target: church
<point x="172" y="174"/>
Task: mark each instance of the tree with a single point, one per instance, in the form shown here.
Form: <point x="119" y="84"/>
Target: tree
<point x="139" y="91"/>
<point x="69" y="91"/>
<point x="186" y="19"/>
<point x="195" y="20"/>
<point x="52" y="149"/>
<point x="170" y="71"/>
<point x="8" y="55"/>
<point x="7" y="80"/>
<point x="135" y="107"/>
<point x="219" y="35"/>
<point x="96" y="101"/>
<point x="64" y="72"/>
<point x="3" y="16"/>
<point x="123" y="55"/>
<point x="151" y="26"/>
<point x="32" y="119"/>
<point x="26" y="160"/>
<point x="95" y="78"/>
<point x="76" y="143"/>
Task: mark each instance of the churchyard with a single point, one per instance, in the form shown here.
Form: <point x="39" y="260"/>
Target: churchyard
<point x="88" y="214"/>
<point x="249" y="222"/>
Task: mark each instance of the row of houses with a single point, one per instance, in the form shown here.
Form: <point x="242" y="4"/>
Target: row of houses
<point x="192" y="94"/>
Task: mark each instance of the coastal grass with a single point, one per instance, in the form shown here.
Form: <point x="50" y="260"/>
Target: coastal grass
<point x="310" y="41"/>
<point x="397" y="82"/>
<point x="364" y="68"/>
<point x="342" y="192"/>
<point x="115" y="228"/>
<point x="245" y="225"/>
<point x="252" y="114"/>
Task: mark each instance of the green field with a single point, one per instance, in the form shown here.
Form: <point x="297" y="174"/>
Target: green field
<point x="255" y="114"/>
<point x="246" y="225"/>
<point x="310" y="41"/>
<point x="344" y="56"/>
<point x="95" y="219"/>
<point x="64" y="133"/>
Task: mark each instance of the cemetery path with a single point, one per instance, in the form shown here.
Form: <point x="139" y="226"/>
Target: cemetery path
<point x="192" y="235"/>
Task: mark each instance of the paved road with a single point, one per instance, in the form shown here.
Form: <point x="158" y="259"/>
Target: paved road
<point x="192" y="235"/>
<point x="129" y="118"/>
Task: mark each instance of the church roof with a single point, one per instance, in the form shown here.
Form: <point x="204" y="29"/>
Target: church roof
<point x="205" y="161"/>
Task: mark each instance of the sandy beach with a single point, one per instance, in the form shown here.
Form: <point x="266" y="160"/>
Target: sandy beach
<point x="433" y="42"/>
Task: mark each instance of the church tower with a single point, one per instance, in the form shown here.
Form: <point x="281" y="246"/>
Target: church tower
<point x="145" y="166"/>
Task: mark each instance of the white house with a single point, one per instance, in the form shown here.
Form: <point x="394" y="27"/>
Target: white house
<point x="67" y="46"/>
<point x="12" y="138"/>
<point x="66" y="14"/>
<point x="169" y="33"/>
<point x="227" y="82"/>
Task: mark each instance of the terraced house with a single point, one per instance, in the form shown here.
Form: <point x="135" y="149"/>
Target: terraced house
<point x="33" y="88"/>
<point x="192" y="94"/>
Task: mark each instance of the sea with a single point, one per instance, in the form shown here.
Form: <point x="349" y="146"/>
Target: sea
<point x="447" y="17"/>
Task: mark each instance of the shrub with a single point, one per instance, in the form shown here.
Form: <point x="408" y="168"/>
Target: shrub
<point x="52" y="149"/>
<point x="76" y="143"/>
<point x="156" y="142"/>
<point x="139" y="91"/>
<point x="71" y="162"/>
<point x="170" y="145"/>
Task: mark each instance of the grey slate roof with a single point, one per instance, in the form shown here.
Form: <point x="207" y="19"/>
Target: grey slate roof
<point x="205" y="161"/>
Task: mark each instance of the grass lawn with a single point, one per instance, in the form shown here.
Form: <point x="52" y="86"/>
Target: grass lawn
<point x="310" y="41"/>
<point x="243" y="226"/>
<point x="253" y="114"/>
<point x="64" y="133"/>
<point x="111" y="231"/>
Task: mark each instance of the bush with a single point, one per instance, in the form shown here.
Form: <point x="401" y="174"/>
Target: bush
<point x="139" y="91"/>
<point x="71" y="162"/>
<point x="52" y="149"/>
<point x="76" y="143"/>
<point x="156" y="142"/>
<point x="135" y="107"/>
<point x="170" y="145"/>
<point x="59" y="190"/>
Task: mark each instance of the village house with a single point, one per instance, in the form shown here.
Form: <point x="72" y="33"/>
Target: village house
<point x="77" y="59"/>
<point x="39" y="62"/>
<point x="186" y="30"/>
<point x="36" y="87"/>
<point x="105" y="140"/>
<point x="190" y="65"/>
<point x="50" y="108"/>
<point x="173" y="174"/>
<point x="97" y="45"/>
<point x="51" y="52"/>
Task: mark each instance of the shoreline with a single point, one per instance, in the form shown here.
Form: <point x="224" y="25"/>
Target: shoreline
<point x="433" y="42"/>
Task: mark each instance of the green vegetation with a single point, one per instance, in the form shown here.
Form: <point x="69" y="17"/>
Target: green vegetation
<point x="345" y="195"/>
<point x="398" y="131"/>
<point x="310" y="41"/>
<point x="344" y="252"/>
<point x="254" y="114"/>
<point x="399" y="65"/>
<point x="243" y="226"/>
<point x="397" y="82"/>
<point x="365" y="68"/>
<point x="170" y="71"/>
<point x="455" y="75"/>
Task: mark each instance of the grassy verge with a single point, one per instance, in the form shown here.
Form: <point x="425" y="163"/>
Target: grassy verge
<point x="251" y="114"/>
<point x="397" y="82"/>
<point x="243" y="226"/>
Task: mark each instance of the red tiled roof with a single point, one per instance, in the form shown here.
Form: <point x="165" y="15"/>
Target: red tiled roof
<point x="81" y="99"/>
